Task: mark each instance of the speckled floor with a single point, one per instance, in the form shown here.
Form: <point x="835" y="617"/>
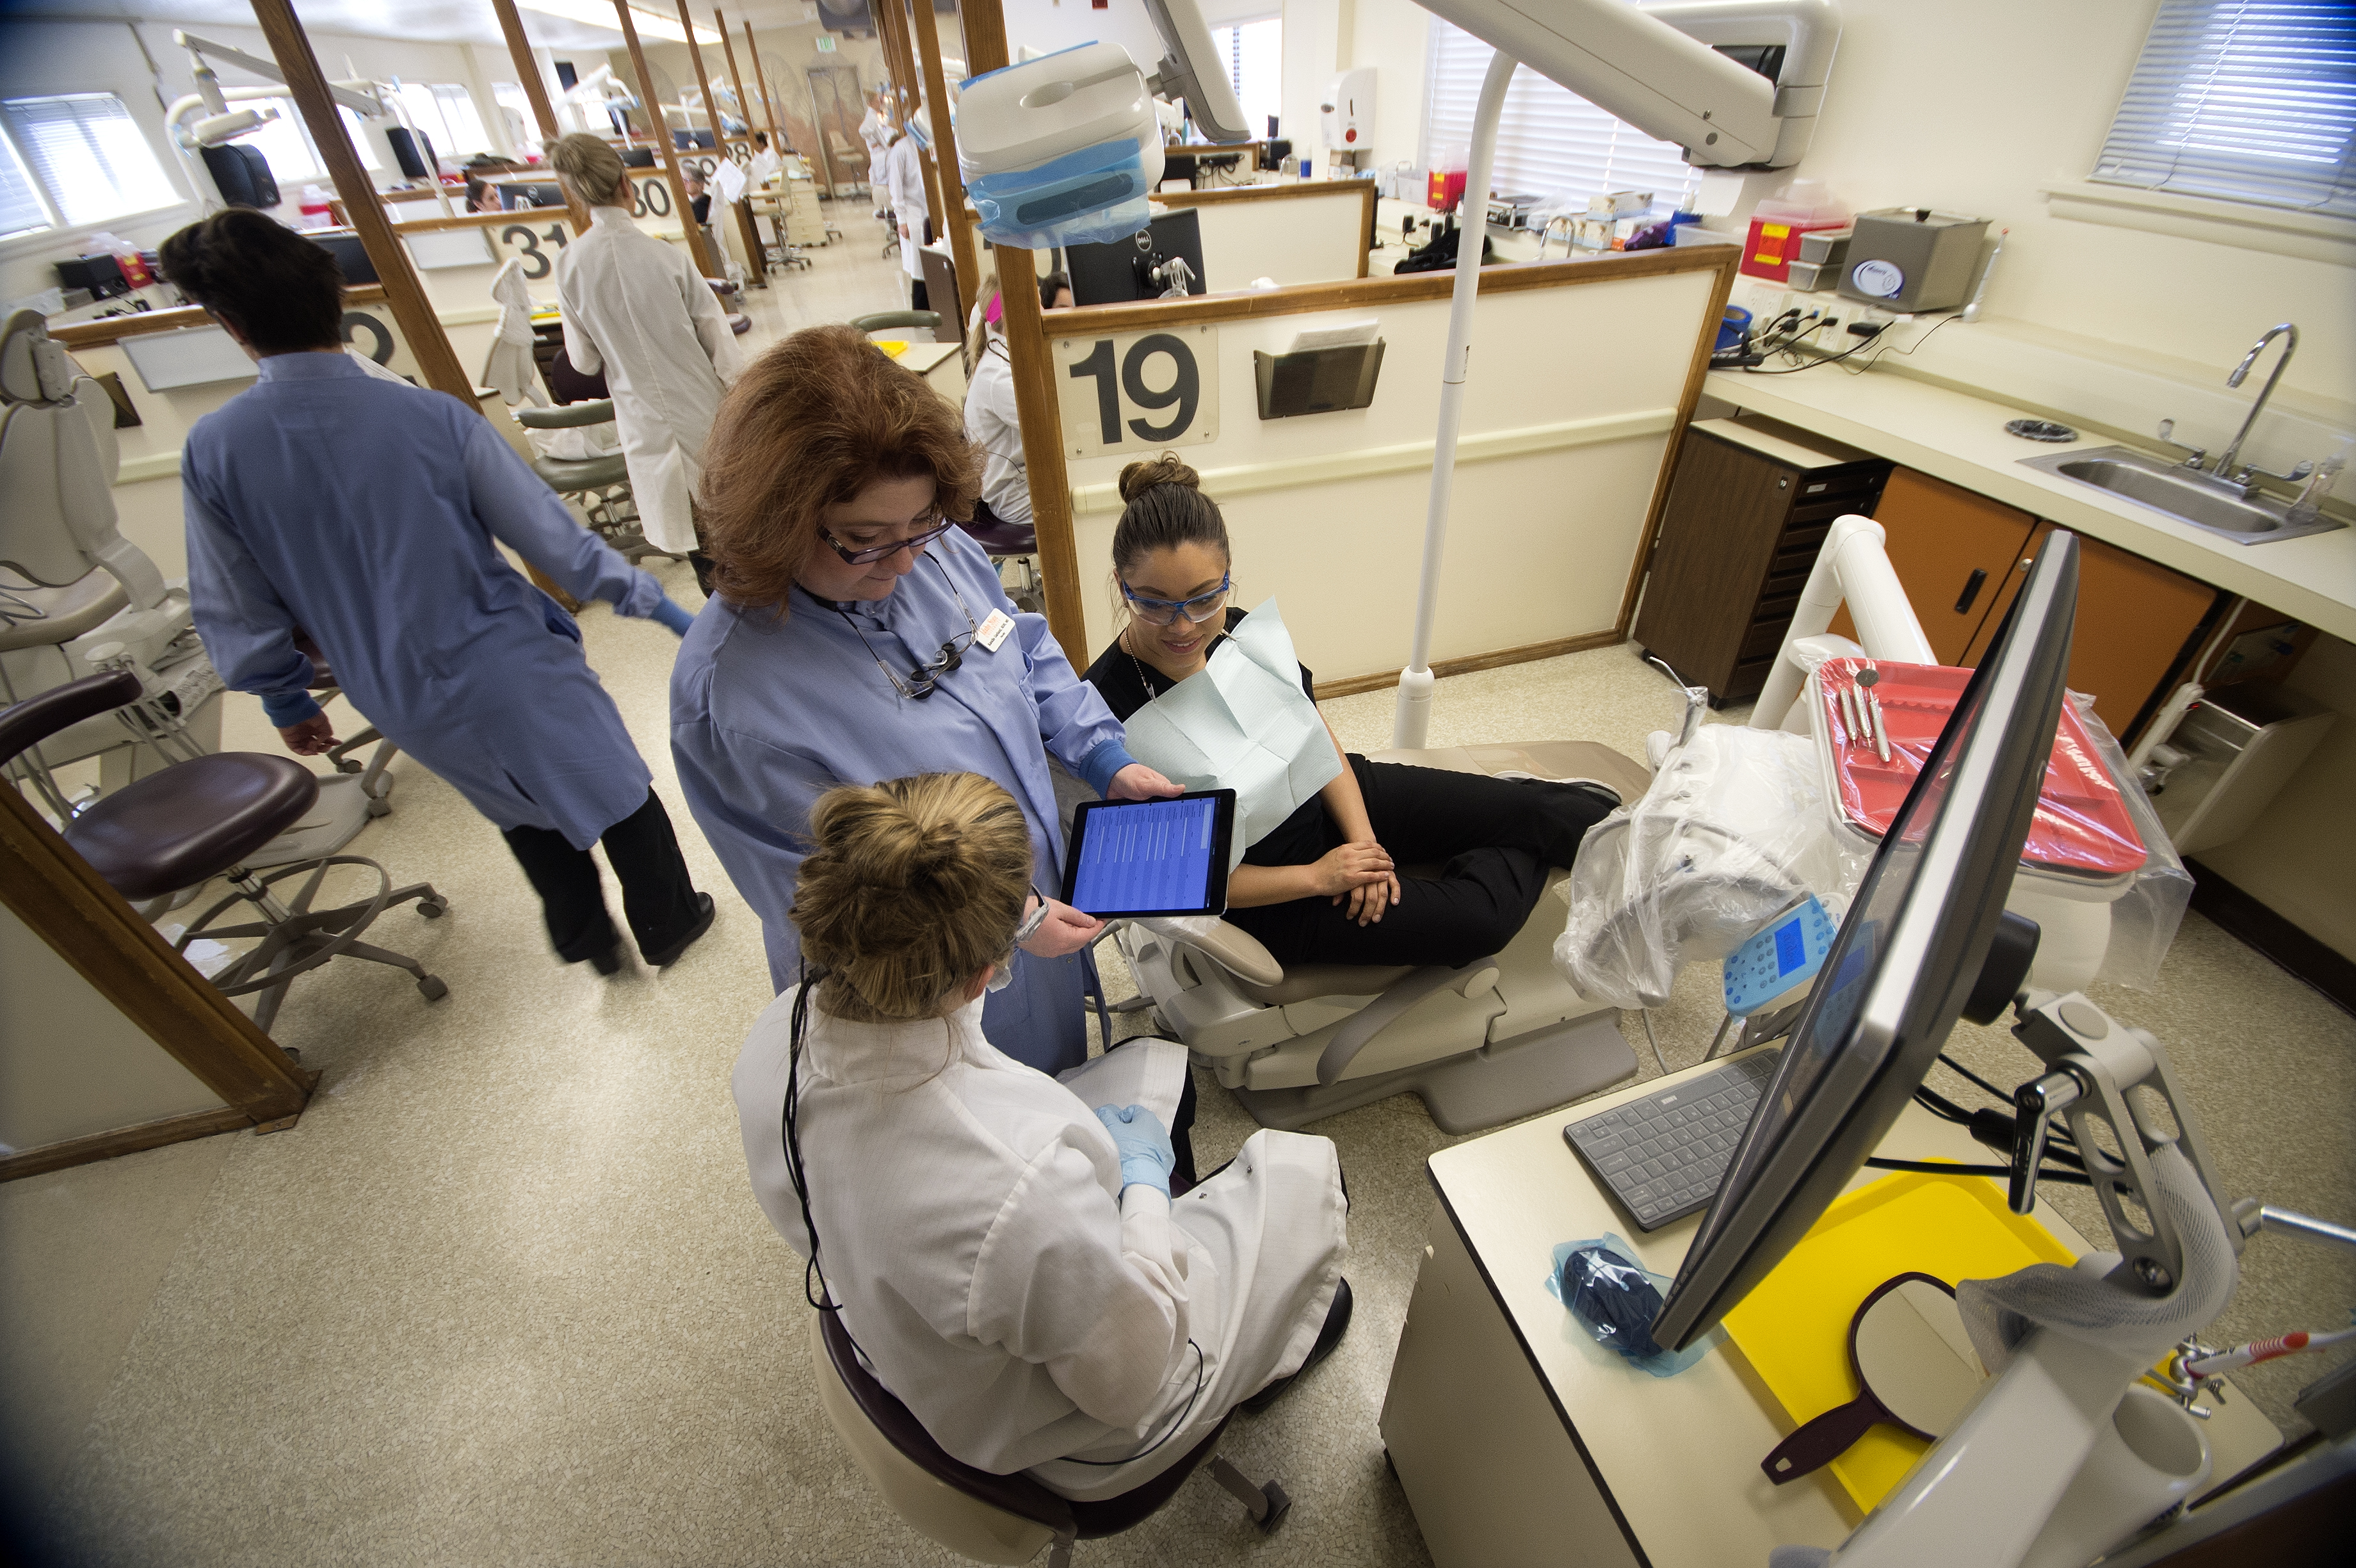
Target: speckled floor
<point x="503" y="1296"/>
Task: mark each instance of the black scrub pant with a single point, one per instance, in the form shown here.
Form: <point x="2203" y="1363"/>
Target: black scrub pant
<point x="656" y="893"/>
<point x="1492" y="839"/>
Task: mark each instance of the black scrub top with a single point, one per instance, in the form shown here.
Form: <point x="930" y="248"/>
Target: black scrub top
<point x="1126" y="684"/>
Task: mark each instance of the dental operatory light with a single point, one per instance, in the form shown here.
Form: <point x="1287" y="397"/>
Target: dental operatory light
<point x="221" y="124"/>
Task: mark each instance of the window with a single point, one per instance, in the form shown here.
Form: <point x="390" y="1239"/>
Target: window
<point x="1254" y="53"/>
<point x="2244" y="100"/>
<point x="447" y="114"/>
<point x="21" y="212"/>
<point x="1550" y="142"/>
<point x="285" y="144"/>
<point x="87" y="154"/>
<point x="515" y="106"/>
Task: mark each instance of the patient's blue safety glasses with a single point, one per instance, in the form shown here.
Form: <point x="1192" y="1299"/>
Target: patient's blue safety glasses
<point x="1165" y="612"/>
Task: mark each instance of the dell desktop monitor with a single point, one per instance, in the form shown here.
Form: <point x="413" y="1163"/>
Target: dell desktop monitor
<point x="1906" y="961"/>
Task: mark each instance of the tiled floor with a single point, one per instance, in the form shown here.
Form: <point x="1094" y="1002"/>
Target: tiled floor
<point x="503" y="1296"/>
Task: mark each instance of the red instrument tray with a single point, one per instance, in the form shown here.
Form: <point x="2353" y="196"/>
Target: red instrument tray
<point x="2082" y="827"/>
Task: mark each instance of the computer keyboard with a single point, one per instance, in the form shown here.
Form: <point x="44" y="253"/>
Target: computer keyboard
<point x="1663" y="1156"/>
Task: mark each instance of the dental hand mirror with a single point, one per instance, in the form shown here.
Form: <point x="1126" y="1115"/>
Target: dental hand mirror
<point x="1915" y="1368"/>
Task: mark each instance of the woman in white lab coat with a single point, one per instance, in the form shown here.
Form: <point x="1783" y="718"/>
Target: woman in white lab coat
<point x="638" y="309"/>
<point x="909" y="207"/>
<point x="875" y="130"/>
<point x="1002" y="1246"/>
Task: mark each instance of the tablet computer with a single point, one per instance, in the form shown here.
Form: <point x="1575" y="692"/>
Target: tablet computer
<point x="1131" y="858"/>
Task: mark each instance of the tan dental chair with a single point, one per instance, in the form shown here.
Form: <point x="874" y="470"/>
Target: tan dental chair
<point x="1500" y="1038"/>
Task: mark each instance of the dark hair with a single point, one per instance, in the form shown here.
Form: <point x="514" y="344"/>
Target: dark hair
<point x="1050" y="286"/>
<point x="275" y="289"/>
<point x="816" y="420"/>
<point x="1166" y="508"/>
<point x="760" y="138"/>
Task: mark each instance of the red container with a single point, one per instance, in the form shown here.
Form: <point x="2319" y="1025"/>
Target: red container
<point x="1774" y="245"/>
<point x="1447" y="189"/>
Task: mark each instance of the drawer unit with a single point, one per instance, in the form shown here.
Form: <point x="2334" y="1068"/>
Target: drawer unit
<point x="1749" y="508"/>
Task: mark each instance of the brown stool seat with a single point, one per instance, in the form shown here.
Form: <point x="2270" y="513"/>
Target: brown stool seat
<point x="193" y="821"/>
<point x="323" y="675"/>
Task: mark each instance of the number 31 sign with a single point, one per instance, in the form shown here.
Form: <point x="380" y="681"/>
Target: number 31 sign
<point x="1137" y="391"/>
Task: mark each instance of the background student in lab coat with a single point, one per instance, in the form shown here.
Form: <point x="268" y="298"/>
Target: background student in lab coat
<point x="637" y="309"/>
<point x="1002" y="1245"/>
<point x="875" y="130"/>
<point x="766" y="166"/>
<point x="991" y="420"/>
<point x="909" y="206"/>
<point x="369" y="514"/>
<point x="858" y="634"/>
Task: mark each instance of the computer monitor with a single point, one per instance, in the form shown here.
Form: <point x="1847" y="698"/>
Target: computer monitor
<point x="351" y="256"/>
<point x="1907" y="959"/>
<point x="1116" y="272"/>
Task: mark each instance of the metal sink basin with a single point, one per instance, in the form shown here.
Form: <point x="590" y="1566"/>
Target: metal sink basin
<point x="2201" y="500"/>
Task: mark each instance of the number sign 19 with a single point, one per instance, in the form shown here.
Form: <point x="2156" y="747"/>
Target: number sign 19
<point x="1137" y="391"/>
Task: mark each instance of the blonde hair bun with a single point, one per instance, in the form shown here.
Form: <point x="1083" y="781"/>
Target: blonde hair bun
<point x="588" y="168"/>
<point x="1166" y="469"/>
<point x="915" y="887"/>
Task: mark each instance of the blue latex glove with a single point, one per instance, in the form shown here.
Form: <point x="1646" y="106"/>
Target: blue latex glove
<point x="1144" y="1145"/>
<point x="672" y="615"/>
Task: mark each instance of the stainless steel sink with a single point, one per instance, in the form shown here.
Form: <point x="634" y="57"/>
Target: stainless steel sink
<point x="2176" y="491"/>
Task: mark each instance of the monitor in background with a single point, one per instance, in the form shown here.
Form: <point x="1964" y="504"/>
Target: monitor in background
<point x="413" y="153"/>
<point x="518" y="195"/>
<point x="1120" y="271"/>
<point x="243" y="175"/>
<point x="1908" y="959"/>
<point x="351" y="255"/>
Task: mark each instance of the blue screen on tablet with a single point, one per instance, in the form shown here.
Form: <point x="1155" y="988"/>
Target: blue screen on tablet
<point x="1149" y="855"/>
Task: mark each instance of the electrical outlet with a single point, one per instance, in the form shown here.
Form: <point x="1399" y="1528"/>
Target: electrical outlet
<point x="1766" y="301"/>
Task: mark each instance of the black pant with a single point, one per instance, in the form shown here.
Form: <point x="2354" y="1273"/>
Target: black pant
<point x="1492" y="839"/>
<point x="656" y="893"/>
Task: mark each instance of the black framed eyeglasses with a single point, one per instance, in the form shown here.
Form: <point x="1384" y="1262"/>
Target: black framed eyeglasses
<point x="925" y="677"/>
<point x="1165" y="612"/>
<point x="869" y="554"/>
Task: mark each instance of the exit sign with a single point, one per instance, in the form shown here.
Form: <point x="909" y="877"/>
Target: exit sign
<point x="826" y="43"/>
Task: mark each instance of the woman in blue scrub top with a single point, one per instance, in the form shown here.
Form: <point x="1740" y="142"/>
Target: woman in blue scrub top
<point x="857" y="635"/>
<point x="369" y="514"/>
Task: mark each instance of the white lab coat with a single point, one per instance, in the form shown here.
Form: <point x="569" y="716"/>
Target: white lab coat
<point x="636" y="309"/>
<point x="994" y="1272"/>
<point x="765" y="167"/>
<point x="876" y="132"/>
<point x="992" y="423"/>
<point x="907" y="184"/>
<point x="510" y="366"/>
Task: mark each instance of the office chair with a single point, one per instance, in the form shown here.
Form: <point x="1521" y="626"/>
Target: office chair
<point x="1503" y="1037"/>
<point x="206" y="817"/>
<point x="599" y="483"/>
<point x="991" y="1519"/>
<point x="72" y="587"/>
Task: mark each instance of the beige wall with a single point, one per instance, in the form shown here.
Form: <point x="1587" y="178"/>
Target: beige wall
<point x="2300" y="858"/>
<point x="70" y="1065"/>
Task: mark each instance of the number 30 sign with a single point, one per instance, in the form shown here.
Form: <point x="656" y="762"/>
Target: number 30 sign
<point x="1137" y="391"/>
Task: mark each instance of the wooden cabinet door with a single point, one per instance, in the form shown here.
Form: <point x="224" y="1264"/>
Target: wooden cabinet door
<point x="1719" y="531"/>
<point x="2137" y="620"/>
<point x="1951" y="549"/>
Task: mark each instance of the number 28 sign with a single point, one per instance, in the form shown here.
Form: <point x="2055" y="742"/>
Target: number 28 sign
<point x="1137" y="392"/>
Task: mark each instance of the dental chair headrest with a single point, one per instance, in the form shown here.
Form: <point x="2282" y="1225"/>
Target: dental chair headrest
<point x="32" y="368"/>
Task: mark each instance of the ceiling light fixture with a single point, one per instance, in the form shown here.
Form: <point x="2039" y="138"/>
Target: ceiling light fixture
<point x="600" y="14"/>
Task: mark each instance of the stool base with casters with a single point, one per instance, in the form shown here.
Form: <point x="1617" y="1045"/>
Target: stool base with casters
<point x="208" y="817"/>
<point x="599" y="484"/>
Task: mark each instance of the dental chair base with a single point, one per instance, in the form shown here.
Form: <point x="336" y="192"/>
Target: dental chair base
<point x="1502" y="1038"/>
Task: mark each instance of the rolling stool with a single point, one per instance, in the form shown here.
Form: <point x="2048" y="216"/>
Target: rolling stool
<point x="991" y="1519"/>
<point x="1007" y="543"/>
<point x="601" y="485"/>
<point x="347" y="799"/>
<point x="201" y="819"/>
<point x="373" y="783"/>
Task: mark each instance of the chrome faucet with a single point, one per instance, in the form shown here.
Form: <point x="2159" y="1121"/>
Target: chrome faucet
<point x="2290" y="346"/>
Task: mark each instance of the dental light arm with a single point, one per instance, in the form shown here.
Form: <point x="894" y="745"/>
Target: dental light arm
<point x="358" y="97"/>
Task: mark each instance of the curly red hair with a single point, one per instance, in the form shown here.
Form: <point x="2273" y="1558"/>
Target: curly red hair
<point x="815" y="421"/>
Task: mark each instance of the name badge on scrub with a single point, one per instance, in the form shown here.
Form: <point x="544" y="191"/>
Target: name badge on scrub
<point x="994" y="629"/>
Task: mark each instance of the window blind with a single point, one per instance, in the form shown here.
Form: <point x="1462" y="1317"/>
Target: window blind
<point x="21" y="212"/>
<point x="87" y="153"/>
<point x="1550" y="142"/>
<point x="2242" y="99"/>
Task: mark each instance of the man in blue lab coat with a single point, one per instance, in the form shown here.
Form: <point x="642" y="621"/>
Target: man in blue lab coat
<point x="369" y="514"/>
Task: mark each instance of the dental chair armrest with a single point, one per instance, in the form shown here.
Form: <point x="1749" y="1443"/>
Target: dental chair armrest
<point x="1232" y="948"/>
<point x="1358" y="1031"/>
<point x="598" y="410"/>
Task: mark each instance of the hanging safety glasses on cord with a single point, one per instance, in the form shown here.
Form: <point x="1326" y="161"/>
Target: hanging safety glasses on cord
<point x="1165" y="612"/>
<point x="924" y="676"/>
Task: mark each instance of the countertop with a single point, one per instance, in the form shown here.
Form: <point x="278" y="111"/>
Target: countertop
<point x="1961" y="438"/>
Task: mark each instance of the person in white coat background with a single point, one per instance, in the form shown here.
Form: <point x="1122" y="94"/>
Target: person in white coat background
<point x="1002" y="1245"/>
<point x="909" y="206"/>
<point x="766" y="164"/>
<point x="636" y="309"/>
<point x="875" y="130"/>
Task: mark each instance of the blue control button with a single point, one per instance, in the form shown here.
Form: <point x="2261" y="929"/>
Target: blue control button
<point x="1773" y="962"/>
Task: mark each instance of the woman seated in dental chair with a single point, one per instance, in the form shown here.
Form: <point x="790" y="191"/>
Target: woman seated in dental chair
<point x="1324" y="886"/>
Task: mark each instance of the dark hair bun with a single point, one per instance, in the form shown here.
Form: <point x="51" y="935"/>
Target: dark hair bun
<point x="1166" y="469"/>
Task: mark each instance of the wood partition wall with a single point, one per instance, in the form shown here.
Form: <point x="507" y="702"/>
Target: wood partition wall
<point x="1219" y="202"/>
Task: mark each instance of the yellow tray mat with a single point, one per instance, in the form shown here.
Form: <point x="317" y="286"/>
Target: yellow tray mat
<point x="1794" y="1328"/>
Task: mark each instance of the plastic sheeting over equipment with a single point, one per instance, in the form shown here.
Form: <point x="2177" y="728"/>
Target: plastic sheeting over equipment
<point x="1061" y="150"/>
